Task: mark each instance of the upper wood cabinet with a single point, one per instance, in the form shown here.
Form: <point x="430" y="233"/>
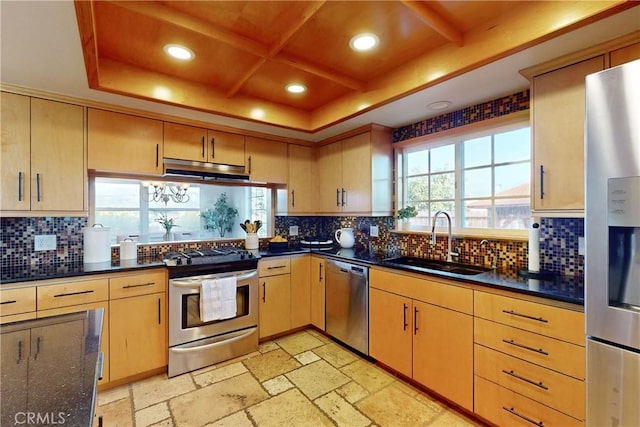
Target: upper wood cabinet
<point x="557" y="116"/>
<point x="226" y="148"/>
<point x="124" y="143"/>
<point x="624" y="55"/>
<point x="299" y="197"/>
<point x="42" y="162"/>
<point x="354" y="175"/>
<point x="266" y="160"/>
<point x="203" y="145"/>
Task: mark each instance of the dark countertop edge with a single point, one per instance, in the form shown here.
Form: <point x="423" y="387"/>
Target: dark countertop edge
<point x="83" y="270"/>
<point x="491" y="279"/>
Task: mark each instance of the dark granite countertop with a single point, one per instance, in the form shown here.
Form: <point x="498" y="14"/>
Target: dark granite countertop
<point x="53" y="369"/>
<point x="560" y="288"/>
<point x="52" y="271"/>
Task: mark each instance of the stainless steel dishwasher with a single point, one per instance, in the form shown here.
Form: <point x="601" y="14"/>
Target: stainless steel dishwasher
<point x="347" y="304"/>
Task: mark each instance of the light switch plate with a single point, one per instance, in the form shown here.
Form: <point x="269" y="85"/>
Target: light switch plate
<point x="373" y="230"/>
<point x="45" y="242"/>
<point x="293" y="230"/>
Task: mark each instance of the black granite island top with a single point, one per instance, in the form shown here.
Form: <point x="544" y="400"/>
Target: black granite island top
<point x="50" y="368"/>
<point x="45" y="271"/>
<point x="561" y="288"/>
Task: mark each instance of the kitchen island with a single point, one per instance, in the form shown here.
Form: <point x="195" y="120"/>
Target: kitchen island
<point x="50" y="368"/>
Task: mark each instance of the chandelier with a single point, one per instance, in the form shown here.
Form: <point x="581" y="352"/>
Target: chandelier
<point x="165" y="192"/>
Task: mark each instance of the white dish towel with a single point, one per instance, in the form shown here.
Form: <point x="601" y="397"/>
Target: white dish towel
<point x="218" y="299"/>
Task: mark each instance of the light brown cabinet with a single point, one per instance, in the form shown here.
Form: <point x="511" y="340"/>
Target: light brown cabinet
<point x="300" y="290"/>
<point x="203" y="145"/>
<point x="409" y="320"/>
<point x="529" y="361"/>
<point x="557" y="117"/>
<point x="317" y="285"/>
<point x="138" y="323"/>
<point x="624" y="55"/>
<point x="124" y="143"/>
<point x="353" y="175"/>
<point x="266" y="160"/>
<point x="42" y="161"/>
<point x="17" y="304"/>
<point x="275" y="295"/>
<point x="299" y="196"/>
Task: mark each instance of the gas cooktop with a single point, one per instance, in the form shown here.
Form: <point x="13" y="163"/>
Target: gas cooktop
<point x="223" y="255"/>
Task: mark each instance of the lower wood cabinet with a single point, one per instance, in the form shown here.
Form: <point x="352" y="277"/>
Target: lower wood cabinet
<point x="138" y="340"/>
<point x="275" y="304"/>
<point x="300" y="290"/>
<point x="17" y="304"/>
<point x="431" y="343"/>
<point x="317" y="291"/>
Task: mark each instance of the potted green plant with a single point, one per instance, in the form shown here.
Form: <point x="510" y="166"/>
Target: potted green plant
<point x="221" y="216"/>
<point x="167" y="223"/>
<point x="404" y="214"/>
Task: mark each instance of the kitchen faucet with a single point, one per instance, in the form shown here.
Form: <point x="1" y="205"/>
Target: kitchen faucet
<point x="450" y="253"/>
<point x="495" y="255"/>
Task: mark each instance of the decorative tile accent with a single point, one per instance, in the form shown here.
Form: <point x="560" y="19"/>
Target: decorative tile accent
<point x="476" y="113"/>
<point x="559" y="245"/>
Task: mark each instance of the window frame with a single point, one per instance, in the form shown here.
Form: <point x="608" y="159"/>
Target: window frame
<point x="456" y="137"/>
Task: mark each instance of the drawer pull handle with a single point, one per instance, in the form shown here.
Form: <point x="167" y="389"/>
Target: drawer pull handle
<point x="514" y="375"/>
<point x="539" y="319"/>
<point x="8" y="302"/>
<point x="138" y="285"/>
<point x="276" y="266"/>
<point x="88" y="291"/>
<point x="526" y="347"/>
<point x="513" y="411"/>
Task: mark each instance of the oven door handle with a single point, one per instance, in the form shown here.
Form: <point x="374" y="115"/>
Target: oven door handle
<point x="191" y="283"/>
<point x="249" y="331"/>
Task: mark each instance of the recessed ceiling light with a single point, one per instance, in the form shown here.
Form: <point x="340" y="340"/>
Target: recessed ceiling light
<point x="365" y="41"/>
<point x="438" y="105"/>
<point x="179" y="52"/>
<point x="296" y="88"/>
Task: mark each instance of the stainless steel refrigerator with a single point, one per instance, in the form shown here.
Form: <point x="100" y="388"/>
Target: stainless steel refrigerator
<point x="612" y="264"/>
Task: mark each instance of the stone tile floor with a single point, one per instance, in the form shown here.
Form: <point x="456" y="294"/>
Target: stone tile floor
<point x="303" y="379"/>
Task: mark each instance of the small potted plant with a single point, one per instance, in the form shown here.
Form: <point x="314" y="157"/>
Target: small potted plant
<point x="221" y="217"/>
<point x="404" y="214"/>
<point x="167" y="223"/>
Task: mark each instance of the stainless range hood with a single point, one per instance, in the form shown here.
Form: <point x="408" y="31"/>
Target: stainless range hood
<point x="206" y="171"/>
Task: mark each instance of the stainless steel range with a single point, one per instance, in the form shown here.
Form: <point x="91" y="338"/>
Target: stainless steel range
<point x="194" y="343"/>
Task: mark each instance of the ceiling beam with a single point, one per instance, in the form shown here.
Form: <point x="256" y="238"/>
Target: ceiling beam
<point x="296" y="23"/>
<point x="166" y="14"/>
<point x="436" y="21"/>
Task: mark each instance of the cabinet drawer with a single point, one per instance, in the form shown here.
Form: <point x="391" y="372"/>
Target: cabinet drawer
<point x="553" y="389"/>
<point x="542" y="319"/>
<point x="273" y="266"/>
<point x="75" y="293"/>
<point x="137" y="284"/>
<point x="441" y="294"/>
<point x="554" y="354"/>
<point x="503" y="407"/>
<point x="16" y="301"/>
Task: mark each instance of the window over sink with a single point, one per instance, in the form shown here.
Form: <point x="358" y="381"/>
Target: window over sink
<point x="482" y="179"/>
<point x="128" y="209"/>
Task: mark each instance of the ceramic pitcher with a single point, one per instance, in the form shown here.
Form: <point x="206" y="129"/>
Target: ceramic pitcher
<point x="345" y="237"/>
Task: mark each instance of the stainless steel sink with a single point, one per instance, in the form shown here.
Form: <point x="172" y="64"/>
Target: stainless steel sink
<point x="431" y="264"/>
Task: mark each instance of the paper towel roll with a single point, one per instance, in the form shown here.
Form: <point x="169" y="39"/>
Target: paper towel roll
<point x="96" y="244"/>
<point x="534" y="247"/>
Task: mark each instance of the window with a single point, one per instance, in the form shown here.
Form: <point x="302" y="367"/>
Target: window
<point x="481" y="180"/>
<point x="125" y="207"/>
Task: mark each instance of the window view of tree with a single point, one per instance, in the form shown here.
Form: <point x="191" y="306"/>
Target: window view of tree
<point x="127" y="208"/>
<point x="482" y="182"/>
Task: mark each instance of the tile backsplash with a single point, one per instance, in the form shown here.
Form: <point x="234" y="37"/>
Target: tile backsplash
<point x="558" y="242"/>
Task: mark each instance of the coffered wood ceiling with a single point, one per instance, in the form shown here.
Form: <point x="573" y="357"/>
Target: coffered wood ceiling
<point x="247" y="51"/>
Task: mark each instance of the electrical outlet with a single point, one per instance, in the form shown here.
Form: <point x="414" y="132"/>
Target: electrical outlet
<point x="373" y="230"/>
<point x="293" y="230"/>
<point x="45" y="242"/>
<point x="580" y="245"/>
